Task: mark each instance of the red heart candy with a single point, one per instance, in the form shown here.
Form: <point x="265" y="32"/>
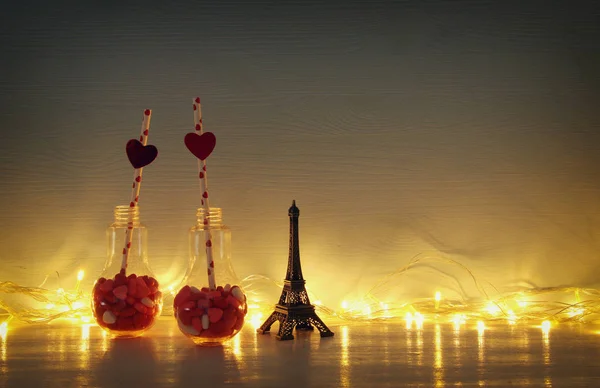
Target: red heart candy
<point x="214" y="314"/>
<point x="200" y="145"/>
<point x="182" y="296"/>
<point x="140" y="155"/>
<point x="120" y="292"/>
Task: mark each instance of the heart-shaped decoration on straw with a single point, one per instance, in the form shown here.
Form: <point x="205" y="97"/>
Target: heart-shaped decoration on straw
<point x="200" y="145"/>
<point x="140" y="155"/>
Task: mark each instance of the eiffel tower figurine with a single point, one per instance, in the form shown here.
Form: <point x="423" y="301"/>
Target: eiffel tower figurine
<point x="294" y="308"/>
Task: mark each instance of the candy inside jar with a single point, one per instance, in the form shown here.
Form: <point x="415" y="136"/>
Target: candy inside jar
<point x="126" y="305"/>
<point x="210" y="317"/>
<point x="206" y="313"/>
<point x="126" y="299"/>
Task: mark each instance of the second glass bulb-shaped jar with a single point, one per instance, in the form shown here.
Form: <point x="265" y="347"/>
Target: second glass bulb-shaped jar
<point x="126" y="299"/>
<point x="210" y="309"/>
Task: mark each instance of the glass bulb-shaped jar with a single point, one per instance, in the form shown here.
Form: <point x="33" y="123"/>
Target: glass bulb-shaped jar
<point x="126" y="298"/>
<point x="211" y="307"/>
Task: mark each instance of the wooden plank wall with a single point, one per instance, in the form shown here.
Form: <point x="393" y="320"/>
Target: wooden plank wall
<point x="400" y="128"/>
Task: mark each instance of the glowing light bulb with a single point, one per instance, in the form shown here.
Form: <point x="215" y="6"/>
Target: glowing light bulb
<point x="344" y="305"/>
<point x="419" y="319"/>
<point x="80" y="275"/>
<point x="493" y="308"/>
<point x="458" y="320"/>
<point x="480" y="326"/>
<point x="546" y="327"/>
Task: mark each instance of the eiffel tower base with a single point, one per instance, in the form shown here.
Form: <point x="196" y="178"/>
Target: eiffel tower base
<point x="303" y="318"/>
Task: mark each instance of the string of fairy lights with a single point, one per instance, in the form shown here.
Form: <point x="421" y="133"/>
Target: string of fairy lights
<point x="544" y="306"/>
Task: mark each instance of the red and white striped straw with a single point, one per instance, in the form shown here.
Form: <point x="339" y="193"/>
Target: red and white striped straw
<point x="135" y="189"/>
<point x="210" y="264"/>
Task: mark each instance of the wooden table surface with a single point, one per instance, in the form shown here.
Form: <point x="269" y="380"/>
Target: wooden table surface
<point x="376" y="354"/>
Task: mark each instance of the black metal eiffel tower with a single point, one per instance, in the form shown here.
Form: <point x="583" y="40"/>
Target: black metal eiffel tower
<point x="294" y="308"/>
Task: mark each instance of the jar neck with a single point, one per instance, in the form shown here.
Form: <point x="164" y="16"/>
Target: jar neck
<point x="125" y="214"/>
<point x="214" y="218"/>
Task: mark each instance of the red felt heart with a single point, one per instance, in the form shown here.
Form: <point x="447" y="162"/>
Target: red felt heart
<point x="200" y="145"/>
<point x="140" y="155"/>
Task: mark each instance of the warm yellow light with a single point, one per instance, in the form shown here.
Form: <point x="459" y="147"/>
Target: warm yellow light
<point x="546" y="327"/>
<point x="458" y="320"/>
<point x="493" y="308"/>
<point x="3" y="330"/>
<point x="256" y="320"/>
<point x="512" y="318"/>
<point x="525" y="304"/>
<point x="438" y="297"/>
<point x="367" y="311"/>
<point x="85" y="319"/>
<point x="386" y="312"/>
<point x="85" y="332"/>
<point x="409" y="319"/>
<point x="237" y="346"/>
<point x="575" y="311"/>
<point x="480" y="326"/>
<point x="419" y="319"/>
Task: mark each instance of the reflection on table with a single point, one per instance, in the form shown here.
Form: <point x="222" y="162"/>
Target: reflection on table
<point x="371" y="354"/>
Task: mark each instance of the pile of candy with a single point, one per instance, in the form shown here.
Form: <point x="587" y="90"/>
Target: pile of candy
<point x="210" y="316"/>
<point x="126" y="303"/>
